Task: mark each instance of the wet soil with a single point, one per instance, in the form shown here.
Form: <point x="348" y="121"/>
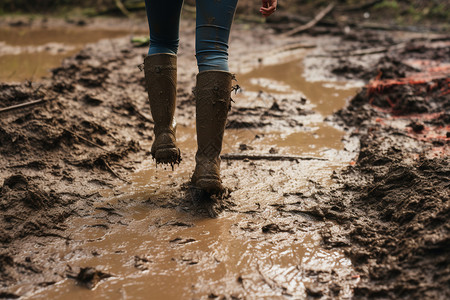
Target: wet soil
<point x="396" y="196"/>
<point x="30" y="48"/>
<point x="83" y="205"/>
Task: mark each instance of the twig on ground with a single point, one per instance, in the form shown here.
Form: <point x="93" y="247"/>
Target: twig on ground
<point x="363" y="52"/>
<point x="122" y="8"/>
<point x="108" y="167"/>
<point x="359" y="7"/>
<point x="237" y="156"/>
<point x="85" y="140"/>
<point x="291" y="47"/>
<point x="21" y="105"/>
<point x="265" y="279"/>
<point x="311" y="23"/>
<point x="389" y="27"/>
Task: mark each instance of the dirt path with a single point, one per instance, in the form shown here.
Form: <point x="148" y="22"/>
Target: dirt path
<point x="81" y="199"/>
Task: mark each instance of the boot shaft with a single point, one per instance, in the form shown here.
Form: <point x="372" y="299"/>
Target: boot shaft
<point x="160" y="79"/>
<point x="212" y="94"/>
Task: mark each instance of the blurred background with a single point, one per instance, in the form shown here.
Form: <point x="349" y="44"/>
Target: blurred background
<point x="55" y="29"/>
<point x="394" y="11"/>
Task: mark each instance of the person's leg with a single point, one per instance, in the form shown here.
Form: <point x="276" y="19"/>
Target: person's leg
<point x="213" y="24"/>
<point x="212" y="91"/>
<point x="160" y="68"/>
<point x="163" y="22"/>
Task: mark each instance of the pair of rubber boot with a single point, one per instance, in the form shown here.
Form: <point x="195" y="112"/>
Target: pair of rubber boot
<point x="212" y="96"/>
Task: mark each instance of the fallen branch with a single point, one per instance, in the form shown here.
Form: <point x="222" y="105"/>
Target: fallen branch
<point x="110" y="169"/>
<point x="237" y="156"/>
<point x="355" y="53"/>
<point x="292" y="47"/>
<point x="13" y="107"/>
<point x="311" y="23"/>
<point x="265" y="279"/>
<point x="363" y="52"/>
<point x="359" y="7"/>
<point x="85" y="140"/>
<point x="389" y="27"/>
<point x="122" y="8"/>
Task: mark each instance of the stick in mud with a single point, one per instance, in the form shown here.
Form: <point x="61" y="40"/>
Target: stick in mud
<point x="363" y="52"/>
<point x="85" y="140"/>
<point x="311" y="23"/>
<point x="236" y="156"/>
<point x="22" y="105"/>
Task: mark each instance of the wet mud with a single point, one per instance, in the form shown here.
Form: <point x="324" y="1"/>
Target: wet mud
<point x="397" y="194"/>
<point x="353" y="202"/>
<point x="29" y="49"/>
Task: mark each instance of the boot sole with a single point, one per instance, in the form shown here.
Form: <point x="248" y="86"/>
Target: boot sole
<point x="170" y="156"/>
<point x="211" y="186"/>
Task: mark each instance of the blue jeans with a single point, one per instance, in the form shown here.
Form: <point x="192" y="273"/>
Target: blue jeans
<point x="213" y="24"/>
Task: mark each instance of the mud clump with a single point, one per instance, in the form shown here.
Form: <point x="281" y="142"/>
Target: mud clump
<point x="396" y="197"/>
<point x="59" y="152"/>
<point x="90" y="277"/>
<point x="398" y="232"/>
<point x="404" y="99"/>
<point x="26" y="206"/>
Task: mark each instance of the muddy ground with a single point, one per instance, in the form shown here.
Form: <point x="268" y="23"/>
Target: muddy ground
<point x="397" y="193"/>
<point x="387" y="211"/>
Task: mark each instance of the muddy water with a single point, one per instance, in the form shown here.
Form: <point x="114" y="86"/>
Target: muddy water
<point x="288" y="78"/>
<point x="194" y="258"/>
<point x="164" y="253"/>
<point x="29" y="53"/>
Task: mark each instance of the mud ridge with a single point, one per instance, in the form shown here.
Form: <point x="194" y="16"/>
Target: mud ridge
<point x="394" y="202"/>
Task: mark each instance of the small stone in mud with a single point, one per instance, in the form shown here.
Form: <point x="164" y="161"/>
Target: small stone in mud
<point x="19" y="23"/>
<point x="182" y="241"/>
<point x="90" y="277"/>
<point x="335" y="288"/>
<point x="91" y="100"/>
<point x="273" y="151"/>
<point x="141" y="263"/>
<point x="244" y="147"/>
<point x="417" y="127"/>
<point x="275" y="106"/>
<point x="274" y="228"/>
<point x="6" y="295"/>
<point x="82" y="56"/>
<point x="270" y="228"/>
<point x="314" y="291"/>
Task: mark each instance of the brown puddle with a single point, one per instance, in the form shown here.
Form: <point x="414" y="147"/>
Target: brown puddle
<point x="162" y="253"/>
<point x="288" y="77"/>
<point x="194" y="258"/>
<point x="29" y="53"/>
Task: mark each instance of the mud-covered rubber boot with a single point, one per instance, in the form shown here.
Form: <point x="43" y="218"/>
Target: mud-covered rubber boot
<point x="161" y="83"/>
<point x="212" y="94"/>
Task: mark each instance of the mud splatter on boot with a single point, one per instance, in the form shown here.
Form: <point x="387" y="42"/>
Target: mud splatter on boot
<point x="212" y="94"/>
<point x="160" y="79"/>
